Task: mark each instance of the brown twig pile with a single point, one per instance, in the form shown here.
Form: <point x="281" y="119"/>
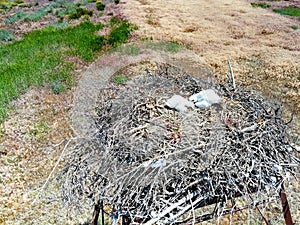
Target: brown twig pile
<point x="155" y="164"/>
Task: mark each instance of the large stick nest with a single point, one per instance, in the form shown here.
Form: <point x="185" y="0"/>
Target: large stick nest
<point x="146" y="158"/>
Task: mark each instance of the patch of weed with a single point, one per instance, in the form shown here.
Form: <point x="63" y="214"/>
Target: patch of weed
<point x="2" y="131"/>
<point x="16" y="17"/>
<point x="64" y="8"/>
<point x="4" y="4"/>
<point x="58" y="87"/>
<point x="32" y="16"/>
<point x="120" y="33"/>
<point x="131" y="50"/>
<point x="24" y="5"/>
<point x="294" y="27"/>
<point x="172" y="47"/>
<point x="151" y="20"/>
<point x="40" y="129"/>
<point x="100" y="14"/>
<point x="289" y="11"/>
<point x="120" y="79"/>
<point x="79" y="13"/>
<point x="38" y="59"/>
<point x="100" y="6"/>
<point x="39" y="14"/>
<point x="261" y="5"/>
<point x="114" y="21"/>
<point x="5" y="35"/>
<point x="35" y="16"/>
<point x="18" y="2"/>
<point x="59" y="25"/>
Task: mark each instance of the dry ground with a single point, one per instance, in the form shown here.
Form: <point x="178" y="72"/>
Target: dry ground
<point x="263" y="49"/>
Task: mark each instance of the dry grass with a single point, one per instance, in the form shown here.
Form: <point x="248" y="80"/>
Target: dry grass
<point x="219" y="30"/>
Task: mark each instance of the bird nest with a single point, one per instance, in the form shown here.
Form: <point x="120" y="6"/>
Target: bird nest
<point x="155" y="164"/>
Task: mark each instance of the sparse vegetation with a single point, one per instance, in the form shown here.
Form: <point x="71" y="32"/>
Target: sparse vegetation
<point x="170" y="46"/>
<point x="131" y="50"/>
<point x="261" y="5"/>
<point x="65" y="8"/>
<point x="16" y="17"/>
<point x="289" y="11"/>
<point x="60" y="9"/>
<point x="59" y="25"/>
<point x="40" y="129"/>
<point x="36" y="16"/>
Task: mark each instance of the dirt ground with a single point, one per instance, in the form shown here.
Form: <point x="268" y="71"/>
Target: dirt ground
<point x="263" y="49"/>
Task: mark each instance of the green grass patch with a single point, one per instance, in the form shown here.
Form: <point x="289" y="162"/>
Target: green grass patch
<point x="39" y="59"/>
<point x="289" y="11"/>
<point x="261" y="5"/>
<point x="120" y="79"/>
<point x="120" y="31"/>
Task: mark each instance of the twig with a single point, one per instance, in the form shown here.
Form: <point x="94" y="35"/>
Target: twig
<point x="52" y="171"/>
<point x="232" y="75"/>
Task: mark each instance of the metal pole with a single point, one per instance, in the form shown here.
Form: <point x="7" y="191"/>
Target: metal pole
<point x="285" y="207"/>
<point x="96" y="214"/>
<point x="102" y="213"/>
